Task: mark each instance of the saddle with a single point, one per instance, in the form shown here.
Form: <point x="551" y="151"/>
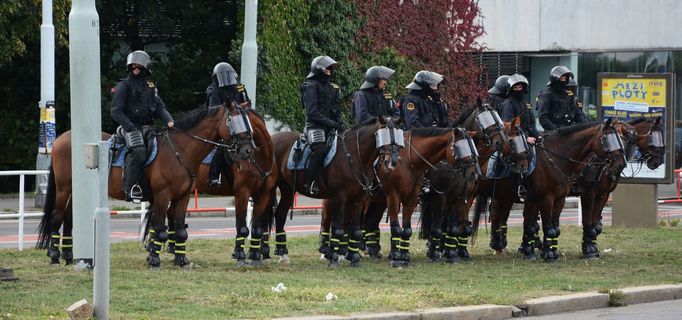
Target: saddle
<point x="118" y="148"/>
<point x="300" y="153"/>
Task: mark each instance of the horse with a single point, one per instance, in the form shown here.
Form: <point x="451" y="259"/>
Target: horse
<point x="250" y="174"/>
<point x="169" y="179"/>
<point x="559" y="159"/>
<point x="345" y="182"/>
<point x="447" y="206"/>
<point x="645" y="136"/>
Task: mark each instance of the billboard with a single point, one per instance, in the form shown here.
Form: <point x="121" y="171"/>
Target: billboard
<point x="628" y="96"/>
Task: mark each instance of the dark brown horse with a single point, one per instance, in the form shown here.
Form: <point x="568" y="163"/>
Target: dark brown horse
<point x="345" y="183"/>
<point x="251" y="174"/>
<point x="637" y="134"/>
<point x="170" y="178"/>
<point x="445" y="213"/>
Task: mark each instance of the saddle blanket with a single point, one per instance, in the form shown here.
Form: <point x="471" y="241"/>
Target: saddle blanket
<point x="503" y="170"/>
<point x="303" y="162"/>
<point x="209" y="157"/>
<point x="123" y="149"/>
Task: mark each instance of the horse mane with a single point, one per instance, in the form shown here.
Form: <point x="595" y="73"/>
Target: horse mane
<point x="463" y="116"/>
<point x="364" y="123"/>
<point x="636" y="121"/>
<point x="189" y="119"/>
<point x="255" y="112"/>
<point x="429" y="131"/>
<point x="564" y="131"/>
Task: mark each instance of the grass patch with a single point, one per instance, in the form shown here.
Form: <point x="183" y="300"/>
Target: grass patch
<point x="217" y="289"/>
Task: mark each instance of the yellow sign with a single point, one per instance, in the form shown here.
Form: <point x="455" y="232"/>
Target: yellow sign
<point x="633" y="94"/>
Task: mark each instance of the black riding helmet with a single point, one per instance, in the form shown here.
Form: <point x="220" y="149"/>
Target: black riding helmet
<point x="500" y="86"/>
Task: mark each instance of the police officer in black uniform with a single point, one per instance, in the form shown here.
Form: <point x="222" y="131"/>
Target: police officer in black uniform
<point x="229" y="91"/>
<point x="134" y="105"/>
<point x="321" y="99"/>
<point x="515" y="105"/>
<point x="556" y="104"/>
<point x="498" y="92"/>
<point x="371" y="100"/>
<point x="423" y="105"/>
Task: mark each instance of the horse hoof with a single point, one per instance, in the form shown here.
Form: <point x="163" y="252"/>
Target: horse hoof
<point x="242" y="263"/>
<point x="256" y="263"/>
<point x="530" y="257"/>
<point x="284" y="259"/>
<point x="333" y="265"/>
<point x="396" y="263"/>
<point x="323" y="257"/>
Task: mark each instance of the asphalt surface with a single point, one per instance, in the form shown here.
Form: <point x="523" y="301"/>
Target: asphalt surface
<point x="663" y="310"/>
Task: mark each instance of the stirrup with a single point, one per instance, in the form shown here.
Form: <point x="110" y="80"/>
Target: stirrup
<point x="521" y="192"/>
<point x="215" y="183"/>
<point x="313" y="189"/>
<point x="134" y="194"/>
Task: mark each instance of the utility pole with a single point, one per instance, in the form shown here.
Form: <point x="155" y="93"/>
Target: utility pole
<point x="47" y="111"/>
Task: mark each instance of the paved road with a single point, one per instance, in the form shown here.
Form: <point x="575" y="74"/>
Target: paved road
<point x="123" y="229"/>
<point x="668" y="310"/>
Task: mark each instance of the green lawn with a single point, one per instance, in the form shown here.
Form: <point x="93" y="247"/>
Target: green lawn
<point x="217" y="289"/>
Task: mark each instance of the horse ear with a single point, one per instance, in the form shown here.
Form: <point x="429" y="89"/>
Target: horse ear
<point x="607" y="122"/>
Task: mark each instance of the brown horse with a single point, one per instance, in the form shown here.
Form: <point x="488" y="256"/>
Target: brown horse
<point x="345" y="183"/>
<point x="637" y="133"/>
<point x="169" y="178"/>
<point x="250" y="174"/>
<point x="559" y="159"/>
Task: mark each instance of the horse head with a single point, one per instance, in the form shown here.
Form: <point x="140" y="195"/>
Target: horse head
<point x="389" y="140"/>
<point x="490" y="124"/>
<point x="648" y="138"/>
<point x="463" y="154"/>
<point x="239" y="133"/>
<point x="612" y="149"/>
<point x="520" y="152"/>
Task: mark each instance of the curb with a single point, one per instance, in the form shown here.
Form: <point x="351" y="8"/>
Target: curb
<point x="532" y="307"/>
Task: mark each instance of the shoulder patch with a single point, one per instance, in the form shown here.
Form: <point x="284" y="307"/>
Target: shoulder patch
<point x="410" y="106"/>
<point x="569" y="93"/>
<point x="240" y="88"/>
<point x="529" y="106"/>
<point x="150" y="84"/>
<point x="388" y="96"/>
<point x="334" y="85"/>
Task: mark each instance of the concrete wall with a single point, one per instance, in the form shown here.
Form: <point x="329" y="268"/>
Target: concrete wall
<point x="554" y="25"/>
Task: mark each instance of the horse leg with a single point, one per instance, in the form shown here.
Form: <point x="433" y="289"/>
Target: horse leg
<point x="498" y="238"/>
<point x="157" y="234"/>
<point x="240" y="204"/>
<point x="372" y="219"/>
<point x="530" y="230"/>
<point x="67" y="237"/>
<point x="587" y="201"/>
<point x="595" y="227"/>
<point x="178" y="212"/>
<point x="285" y="202"/>
<point x="258" y="226"/>
<point x="432" y="231"/>
<point x="466" y="229"/>
<point x="325" y="230"/>
<point x="336" y="212"/>
<point x="551" y="233"/>
<point x="170" y="247"/>
<point x="59" y="212"/>
<point x="355" y="233"/>
<point x="405" y="240"/>
<point x="396" y="233"/>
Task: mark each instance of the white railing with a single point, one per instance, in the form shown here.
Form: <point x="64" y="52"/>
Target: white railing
<point x="22" y="214"/>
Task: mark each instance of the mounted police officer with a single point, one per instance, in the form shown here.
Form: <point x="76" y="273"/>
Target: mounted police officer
<point x="321" y="100"/>
<point x="423" y="105"/>
<point x="228" y="91"/>
<point x="371" y="100"/>
<point x="134" y="105"/>
<point x="515" y="105"/>
<point x="556" y="104"/>
<point x="498" y="92"/>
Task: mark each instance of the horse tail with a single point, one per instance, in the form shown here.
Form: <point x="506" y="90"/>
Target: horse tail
<point x="48" y="212"/>
<point x="481" y="203"/>
<point x="271" y="209"/>
<point x="425" y="217"/>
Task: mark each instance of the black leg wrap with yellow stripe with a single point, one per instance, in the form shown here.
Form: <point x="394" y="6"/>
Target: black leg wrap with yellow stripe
<point x="451" y="243"/>
<point x="354" y="248"/>
<point x="324" y="242"/>
<point x="590" y="242"/>
<point x="434" y="245"/>
<point x="281" y="243"/>
<point x="343" y="245"/>
<point x="156" y="239"/>
<point x="363" y="245"/>
<point x="463" y="241"/>
<point x="255" y="246"/>
<point x="170" y="246"/>
<point x="67" y="249"/>
<point x="335" y="247"/>
<point x="53" y="249"/>
<point x="550" y="250"/>
<point x="404" y="247"/>
<point x="498" y="238"/>
<point x="181" y="248"/>
<point x="396" y="237"/>
<point x="265" y="246"/>
<point x="528" y="242"/>
<point x="239" y="242"/>
<point x="372" y="244"/>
